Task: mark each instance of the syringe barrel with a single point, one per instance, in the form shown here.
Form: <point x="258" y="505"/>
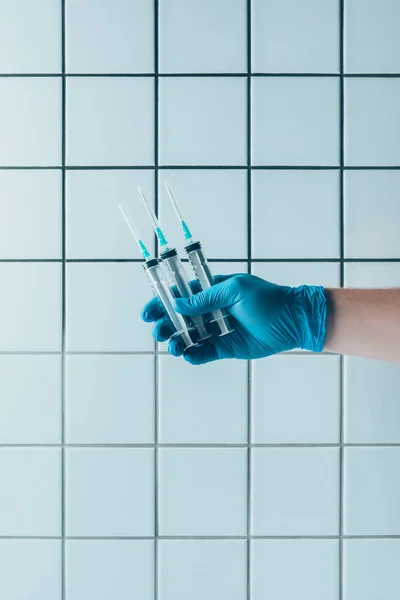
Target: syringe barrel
<point x="181" y="280"/>
<point x="158" y="282"/>
<point x="205" y="277"/>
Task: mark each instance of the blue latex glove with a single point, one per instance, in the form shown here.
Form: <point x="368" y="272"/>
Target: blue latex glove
<point x="266" y="318"/>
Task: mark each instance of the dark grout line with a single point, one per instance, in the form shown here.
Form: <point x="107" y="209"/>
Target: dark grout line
<point x="213" y="260"/>
<point x="216" y="446"/>
<point x="201" y="537"/>
<point x="200" y="167"/>
<point x="63" y="373"/>
<point x="201" y="75"/>
<point x="156" y="356"/>
<point x="249" y="256"/>
<point x="342" y="281"/>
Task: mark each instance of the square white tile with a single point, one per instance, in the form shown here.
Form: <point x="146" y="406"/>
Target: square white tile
<point x="30" y="34"/>
<point x="110" y="399"/>
<point x="109" y="492"/>
<point x="295" y="214"/>
<point x="104" y="301"/>
<point x="209" y="199"/>
<point x="371" y="36"/>
<point x="371" y="402"/>
<point x="371" y="491"/>
<point x="229" y="268"/>
<point x="95" y="226"/>
<point x="110" y="121"/>
<point x="193" y="410"/>
<point x="30" y="399"/>
<point x="30" y="307"/>
<point x="30" y="121"/>
<point x="372" y="275"/>
<point x="203" y="121"/>
<point x="313" y="566"/>
<point x="371" y="107"/>
<point x="372" y="214"/>
<point x="110" y="36"/>
<point x="30" y="214"/>
<point x="30" y="501"/>
<point x="299" y="273"/>
<point x="30" y="569"/>
<point x="199" y="569"/>
<point x="295" y="491"/>
<point x="295" y="121"/>
<point x="296" y="400"/>
<point x="295" y="37"/>
<point x="105" y="569"/>
<point x="202" y="491"/>
<point x="371" y="569"/>
<point x="203" y="37"/>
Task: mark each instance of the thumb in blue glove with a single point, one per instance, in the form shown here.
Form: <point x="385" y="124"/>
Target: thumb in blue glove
<point x="267" y="319"/>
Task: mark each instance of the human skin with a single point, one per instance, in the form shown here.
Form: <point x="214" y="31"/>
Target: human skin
<point x="364" y="323"/>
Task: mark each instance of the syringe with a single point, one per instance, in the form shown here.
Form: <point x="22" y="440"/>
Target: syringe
<point x="170" y="257"/>
<point x="158" y="282"/>
<point x="200" y="264"/>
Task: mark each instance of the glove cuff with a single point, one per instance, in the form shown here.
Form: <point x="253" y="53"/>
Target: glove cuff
<point x="310" y="316"/>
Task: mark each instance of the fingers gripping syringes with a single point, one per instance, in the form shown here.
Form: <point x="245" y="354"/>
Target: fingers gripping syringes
<point x="170" y="257"/>
<point x="200" y="264"/>
<point x="158" y="282"/>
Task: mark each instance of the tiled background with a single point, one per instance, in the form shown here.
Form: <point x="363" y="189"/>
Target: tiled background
<point x="128" y="474"/>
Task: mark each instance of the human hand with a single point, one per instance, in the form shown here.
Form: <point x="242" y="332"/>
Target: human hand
<point x="267" y="319"/>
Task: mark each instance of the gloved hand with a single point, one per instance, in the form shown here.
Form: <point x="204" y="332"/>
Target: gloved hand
<point x="267" y="319"/>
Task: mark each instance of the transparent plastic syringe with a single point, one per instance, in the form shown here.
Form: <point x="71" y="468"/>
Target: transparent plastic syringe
<point x="158" y="282"/>
<point x="170" y="257"/>
<point x="200" y="264"/>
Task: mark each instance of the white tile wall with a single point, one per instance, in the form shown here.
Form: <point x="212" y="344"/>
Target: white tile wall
<point x="303" y="569"/>
<point x="94" y="226"/>
<point x="371" y="401"/>
<point x="202" y="121"/>
<point x="371" y="214"/>
<point x="296" y="400"/>
<point x="194" y="395"/>
<point x="103" y="303"/>
<point x="295" y="492"/>
<point x="109" y="492"/>
<point x="371" y="122"/>
<point x="110" y="121"/>
<point x="202" y="491"/>
<point x="295" y="37"/>
<point x="296" y="214"/>
<point x="211" y="192"/>
<point x="276" y="124"/>
<point x="30" y="399"/>
<point x="372" y="43"/>
<point x="30" y="34"/>
<point x="211" y="569"/>
<point x="30" y="569"/>
<point x="30" y="502"/>
<point x="299" y="273"/>
<point x="295" y="121"/>
<point x="371" y="489"/>
<point x="203" y="37"/>
<point x="30" y="307"/>
<point x="109" y="399"/>
<point x="30" y="121"/>
<point x="370" y="567"/>
<point x="122" y="569"/>
<point x="111" y="36"/>
<point x="30" y="214"/>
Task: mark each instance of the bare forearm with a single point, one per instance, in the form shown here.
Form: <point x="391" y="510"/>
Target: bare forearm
<point x="364" y="323"/>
